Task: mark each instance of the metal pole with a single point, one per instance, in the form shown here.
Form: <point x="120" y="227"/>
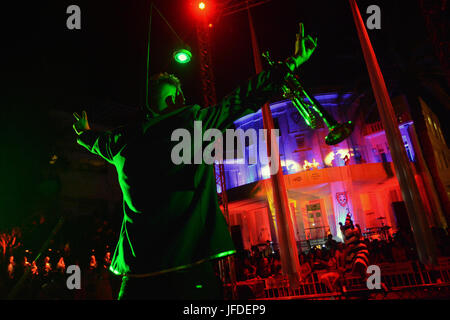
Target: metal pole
<point x="148" y="55"/>
<point x="411" y="196"/>
<point x="287" y="244"/>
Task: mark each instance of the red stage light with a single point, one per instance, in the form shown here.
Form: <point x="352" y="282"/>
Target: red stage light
<point x="202" y="5"/>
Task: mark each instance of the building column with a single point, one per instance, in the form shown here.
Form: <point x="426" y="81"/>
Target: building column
<point x="358" y="213"/>
<point x="329" y="209"/>
<point x="288" y="247"/>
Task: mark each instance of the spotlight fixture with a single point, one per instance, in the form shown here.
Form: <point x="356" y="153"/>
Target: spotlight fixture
<point x="182" y="55"/>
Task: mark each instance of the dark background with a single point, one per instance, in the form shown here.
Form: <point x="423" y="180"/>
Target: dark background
<point x="106" y="59"/>
<point x="46" y="66"/>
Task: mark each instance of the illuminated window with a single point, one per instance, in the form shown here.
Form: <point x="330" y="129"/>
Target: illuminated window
<point x="252" y="173"/>
<point x="232" y="178"/>
<point x="300" y="142"/>
<point x="408" y="151"/>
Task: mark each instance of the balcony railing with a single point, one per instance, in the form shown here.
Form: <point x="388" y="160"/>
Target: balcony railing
<point x="375" y="127"/>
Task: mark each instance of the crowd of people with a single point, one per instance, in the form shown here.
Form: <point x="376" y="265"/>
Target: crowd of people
<point x="28" y="273"/>
<point x="326" y="262"/>
<point x="30" y="269"/>
<point x="47" y="278"/>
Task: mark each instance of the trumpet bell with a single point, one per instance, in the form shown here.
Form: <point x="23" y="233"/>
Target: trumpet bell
<point x="339" y="133"/>
<point x="311" y="110"/>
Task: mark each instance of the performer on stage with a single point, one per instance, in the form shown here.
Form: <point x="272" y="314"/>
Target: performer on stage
<point x="173" y="227"/>
<point x="356" y="254"/>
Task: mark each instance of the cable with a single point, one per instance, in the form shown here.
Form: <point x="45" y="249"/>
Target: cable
<point x="148" y="55"/>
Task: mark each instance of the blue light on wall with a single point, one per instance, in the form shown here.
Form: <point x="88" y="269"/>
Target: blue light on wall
<point x="311" y="154"/>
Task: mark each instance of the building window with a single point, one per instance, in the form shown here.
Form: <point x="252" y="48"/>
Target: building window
<point x="300" y="140"/>
<point x="357" y="155"/>
<point x="276" y="125"/>
<point x="252" y="173"/>
<point x="408" y="151"/>
<point x="300" y="143"/>
<point x="296" y="117"/>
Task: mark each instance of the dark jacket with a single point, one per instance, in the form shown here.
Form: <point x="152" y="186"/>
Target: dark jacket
<point x="172" y="219"/>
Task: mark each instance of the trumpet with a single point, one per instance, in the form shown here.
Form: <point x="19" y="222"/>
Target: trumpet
<point x="309" y="108"/>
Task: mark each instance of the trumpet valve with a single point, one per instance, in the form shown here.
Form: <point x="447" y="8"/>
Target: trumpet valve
<point x="339" y="133"/>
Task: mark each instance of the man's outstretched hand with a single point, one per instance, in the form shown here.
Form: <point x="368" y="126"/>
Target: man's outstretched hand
<point x="304" y="46"/>
<point x="82" y="123"/>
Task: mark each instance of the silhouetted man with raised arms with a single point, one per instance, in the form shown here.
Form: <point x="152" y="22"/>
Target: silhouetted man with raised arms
<point x="173" y="227"/>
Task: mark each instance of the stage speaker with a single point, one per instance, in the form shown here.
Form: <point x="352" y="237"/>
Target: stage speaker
<point x="236" y="236"/>
<point x="401" y="215"/>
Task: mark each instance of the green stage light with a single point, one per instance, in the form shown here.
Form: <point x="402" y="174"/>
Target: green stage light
<point x="182" y="55"/>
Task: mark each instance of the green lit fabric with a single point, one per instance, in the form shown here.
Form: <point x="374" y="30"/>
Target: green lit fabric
<point x="172" y="219"/>
<point x="159" y="272"/>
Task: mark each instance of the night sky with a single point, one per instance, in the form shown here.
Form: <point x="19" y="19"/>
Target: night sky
<point x="106" y="59"/>
<point x="46" y="66"/>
